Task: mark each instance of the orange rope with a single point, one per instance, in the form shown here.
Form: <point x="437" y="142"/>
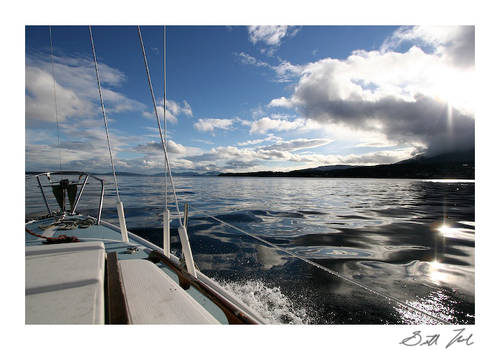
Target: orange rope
<point x="58" y="239"/>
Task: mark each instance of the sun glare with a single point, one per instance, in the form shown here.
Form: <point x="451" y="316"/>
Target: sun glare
<point x="445" y="230"/>
<point x="456" y="88"/>
<point x="435" y="272"/>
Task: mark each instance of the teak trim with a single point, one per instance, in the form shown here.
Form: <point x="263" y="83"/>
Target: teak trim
<point x="233" y="314"/>
<point x="117" y="312"/>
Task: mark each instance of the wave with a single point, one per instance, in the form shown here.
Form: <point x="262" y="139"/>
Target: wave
<point x="270" y="303"/>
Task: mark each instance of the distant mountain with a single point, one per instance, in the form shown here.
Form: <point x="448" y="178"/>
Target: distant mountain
<point x="324" y="168"/>
<point x="464" y="157"/>
<point x="184" y="173"/>
<point x="122" y="173"/>
<point x="211" y="173"/>
<point x="125" y="173"/>
<point x="457" y="165"/>
<point x="193" y="173"/>
<point x="119" y="173"/>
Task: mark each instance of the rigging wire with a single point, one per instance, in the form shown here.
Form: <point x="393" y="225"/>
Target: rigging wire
<point x="284" y="250"/>
<point x="165" y="106"/>
<point x="330" y="271"/>
<point x="159" y="125"/>
<point x="104" y="113"/>
<point x="55" y="94"/>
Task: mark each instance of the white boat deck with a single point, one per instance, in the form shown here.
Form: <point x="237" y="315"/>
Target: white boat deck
<point x="65" y="283"/>
<point x="152" y="297"/>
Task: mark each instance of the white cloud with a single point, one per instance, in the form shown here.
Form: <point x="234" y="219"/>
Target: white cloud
<point x="296" y="145"/>
<point x="206" y="142"/>
<point x="72" y="155"/>
<point x="159" y="110"/>
<point x="269" y="35"/>
<point x="82" y="138"/>
<point x="176" y="109"/>
<point x="371" y="158"/>
<point x="76" y="90"/>
<point x="177" y="148"/>
<point x="40" y="105"/>
<point x="210" y="124"/>
<point x="265" y="124"/>
<point x="248" y="159"/>
<point x="284" y="71"/>
<point x="271" y="137"/>
<point x="154" y="147"/>
<point x="454" y="43"/>
<point x="280" y="102"/>
<point x="411" y="97"/>
<point x="172" y="110"/>
<point x="282" y="123"/>
<point x="247" y="59"/>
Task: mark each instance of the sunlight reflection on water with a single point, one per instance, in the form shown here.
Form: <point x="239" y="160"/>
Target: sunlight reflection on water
<point x="387" y="234"/>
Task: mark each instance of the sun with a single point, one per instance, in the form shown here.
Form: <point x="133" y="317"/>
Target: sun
<point x="456" y="87"/>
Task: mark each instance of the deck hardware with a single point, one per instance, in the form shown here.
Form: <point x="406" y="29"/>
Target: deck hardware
<point x="132" y="250"/>
<point x="75" y="200"/>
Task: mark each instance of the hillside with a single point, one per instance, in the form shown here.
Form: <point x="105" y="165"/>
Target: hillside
<point x="456" y="165"/>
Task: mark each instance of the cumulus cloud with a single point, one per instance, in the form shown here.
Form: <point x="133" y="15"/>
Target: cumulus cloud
<point x="210" y="124"/>
<point x="454" y="43"/>
<point x="231" y="157"/>
<point x="270" y="35"/>
<point x="265" y="124"/>
<point x="82" y="138"/>
<point x="39" y="101"/>
<point x="172" y="110"/>
<point x="285" y="70"/>
<point x="151" y="157"/>
<point x="71" y="155"/>
<point x="176" y="108"/>
<point x="280" y="102"/>
<point x="84" y="146"/>
<point x="279" y="122"/>
<point x="411" y="97"/>
<point x="154" y="147"/>
<point x="76" y="90"/>
<point x="83" y="142"/>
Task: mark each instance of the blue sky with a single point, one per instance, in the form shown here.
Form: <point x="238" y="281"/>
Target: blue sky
<point x="248" y="98"/>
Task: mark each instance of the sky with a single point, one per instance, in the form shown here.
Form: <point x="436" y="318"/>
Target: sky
<point x="248" y="98"/>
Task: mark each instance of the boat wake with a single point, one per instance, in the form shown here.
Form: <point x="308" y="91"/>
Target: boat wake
<point x="270" y="303"/>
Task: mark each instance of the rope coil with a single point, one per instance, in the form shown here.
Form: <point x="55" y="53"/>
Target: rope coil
<point x="52" y="240"/>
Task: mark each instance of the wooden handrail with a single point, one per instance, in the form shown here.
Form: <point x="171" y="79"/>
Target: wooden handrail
<point x="116" y="309"/>
<point x="233" y="314"/>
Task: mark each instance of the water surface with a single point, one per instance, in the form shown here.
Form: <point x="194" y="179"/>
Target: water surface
<point x="410" y="239"/>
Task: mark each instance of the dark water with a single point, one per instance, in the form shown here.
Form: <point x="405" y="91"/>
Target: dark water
<point x="412" y="240"/>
